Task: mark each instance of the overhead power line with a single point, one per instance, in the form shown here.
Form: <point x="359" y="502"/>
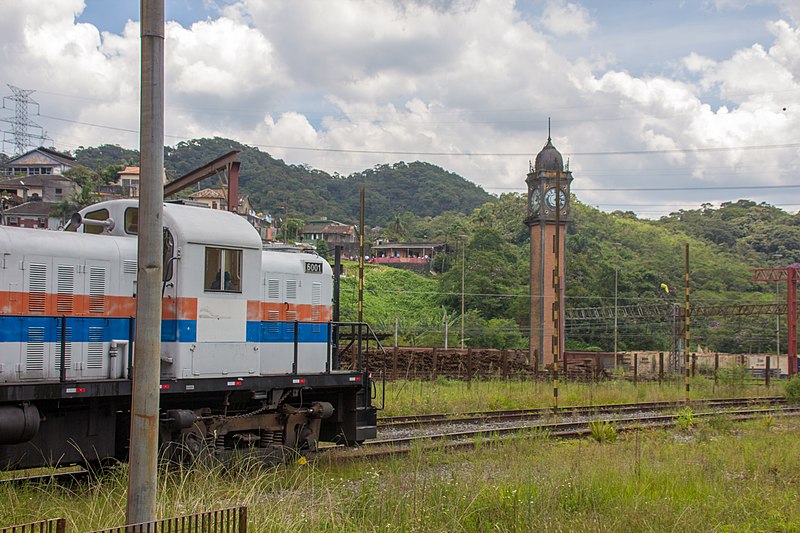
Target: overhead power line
<point x="465" y="154"/>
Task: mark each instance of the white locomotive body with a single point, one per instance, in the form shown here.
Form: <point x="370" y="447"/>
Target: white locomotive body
<point x="243" y="330"/>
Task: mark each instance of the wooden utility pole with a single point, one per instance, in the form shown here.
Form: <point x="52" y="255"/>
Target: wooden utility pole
<point x="142" y="477"/>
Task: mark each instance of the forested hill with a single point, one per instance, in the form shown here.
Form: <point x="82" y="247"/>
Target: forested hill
<point x="274" y="186"/>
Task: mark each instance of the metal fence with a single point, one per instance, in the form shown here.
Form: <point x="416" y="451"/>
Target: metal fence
<point x="54" y="525"/>
<point x="232" y="520"/>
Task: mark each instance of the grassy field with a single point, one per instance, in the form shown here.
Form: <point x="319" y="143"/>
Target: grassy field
<point x="711" y="476"/>
<point x="449" y="396"/>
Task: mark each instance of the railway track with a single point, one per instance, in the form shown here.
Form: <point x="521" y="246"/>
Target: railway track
<point x="413" y="421"/>
<point x="575" y="425"/>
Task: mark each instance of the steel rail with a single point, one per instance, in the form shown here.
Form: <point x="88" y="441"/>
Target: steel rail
<point x="560" y="430"/>
<point x="397" y="422"/>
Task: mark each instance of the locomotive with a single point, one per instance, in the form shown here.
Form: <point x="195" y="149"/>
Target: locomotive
<point x="249" y="355"/>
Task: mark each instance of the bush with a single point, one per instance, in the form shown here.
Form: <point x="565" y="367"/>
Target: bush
<point x="685" y="419"/>
<point x="792" y="390"/>
<point x="603" y="431"/>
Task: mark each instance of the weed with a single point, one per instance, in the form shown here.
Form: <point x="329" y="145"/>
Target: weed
<point x="685" y="419"/>
<point x="768" y="421"/>
<point x="720" y="423"/>
<point x="603" y="431"/>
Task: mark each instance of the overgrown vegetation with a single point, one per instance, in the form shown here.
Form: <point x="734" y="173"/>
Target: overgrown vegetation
<point x="451" y="396"/>
<point x="644" y="482"/>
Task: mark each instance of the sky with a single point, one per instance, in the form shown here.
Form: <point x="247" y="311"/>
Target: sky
<point x="657" y="105"/>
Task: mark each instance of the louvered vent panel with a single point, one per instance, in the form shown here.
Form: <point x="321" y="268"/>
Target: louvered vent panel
<point x="316" y="297"/>
<point x="94" y="352"/>
<point x="129" y="266"/>
<point x="37" y="287"/>
<point x="291" y="316"/>
<point x="34" y="353"/>
<point x="65" y="288"/>
<point x="273" y="289"/>
<point x="67" y="348"/>
<point x="274" y="321"/>
<point x="97" y="290"/>
<point x="291" y="289"/>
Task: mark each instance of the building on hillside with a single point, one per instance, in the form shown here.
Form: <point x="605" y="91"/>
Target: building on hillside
<point x="211" y="198"/>
<point x="126" y="185"/>
<point x="49" y="188"/>
<point x="38" y="161"/>
<point x="411" y="255"/>
<point x="32" y="185"/>
<point x="128" y="179"/>
<point x="334" y="234"/>
<point x="35" y="214"/>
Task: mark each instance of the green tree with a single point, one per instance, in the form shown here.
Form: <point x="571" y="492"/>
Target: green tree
<point x="322" y="248"/>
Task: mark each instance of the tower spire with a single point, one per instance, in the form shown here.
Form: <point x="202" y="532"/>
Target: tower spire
<point x="548" y="129"/>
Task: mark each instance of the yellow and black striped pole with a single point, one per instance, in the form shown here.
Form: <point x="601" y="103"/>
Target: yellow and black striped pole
<point x="557" y="291"/>
<point x="686" y="317"/>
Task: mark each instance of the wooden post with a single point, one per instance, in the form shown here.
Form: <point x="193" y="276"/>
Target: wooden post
<point x="716" y="367"/>
<point x="504" y="358"/>
<point x="660" y="367"/>
<point x="635" y="367"/>
<point x="766" y="374"/>
<point x="434" y="362"/>
<point x="694" y="363"/>
<point x="394" y="364"/>
<point x="469" y="365"/>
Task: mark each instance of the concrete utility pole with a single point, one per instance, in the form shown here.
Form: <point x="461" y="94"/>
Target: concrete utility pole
<point x="142" y="478"/>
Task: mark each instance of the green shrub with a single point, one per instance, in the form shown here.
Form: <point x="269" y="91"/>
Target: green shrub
<point x="685" y="419"/>
<point x="603" y="431"/>
<point x="792" y="390"/>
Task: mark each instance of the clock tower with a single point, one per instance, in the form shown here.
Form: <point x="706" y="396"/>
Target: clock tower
<point x="548" y="215"/>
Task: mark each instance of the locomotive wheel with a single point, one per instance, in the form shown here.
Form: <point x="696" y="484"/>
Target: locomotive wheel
<point x="193" y="443"/>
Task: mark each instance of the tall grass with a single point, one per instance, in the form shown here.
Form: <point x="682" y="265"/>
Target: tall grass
<point x="451" y="396"/>
<point x="703" y="479"/>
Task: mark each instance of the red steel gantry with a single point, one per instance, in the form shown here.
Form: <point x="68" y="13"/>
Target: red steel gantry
<point x="790" y="275"/>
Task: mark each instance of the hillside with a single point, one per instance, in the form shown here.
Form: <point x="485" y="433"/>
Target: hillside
<point x="419" y="201"/>
<point x="641" y="254"/>
<point x="274" y="186"/>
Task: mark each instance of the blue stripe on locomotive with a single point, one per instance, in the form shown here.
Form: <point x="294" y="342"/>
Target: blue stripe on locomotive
<point x="17" y="329"/>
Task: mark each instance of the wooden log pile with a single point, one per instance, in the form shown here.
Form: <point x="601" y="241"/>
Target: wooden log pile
<point x="585" y="369"/>
<point x="431" y="363"/>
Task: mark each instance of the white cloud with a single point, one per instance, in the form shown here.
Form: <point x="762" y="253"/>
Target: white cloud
<point x="454" y="77"/>
<point x="566" y="18"/>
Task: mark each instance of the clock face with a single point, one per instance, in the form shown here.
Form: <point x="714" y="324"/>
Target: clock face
<point x="535" y="200"/>
<point x="550" y="199"/>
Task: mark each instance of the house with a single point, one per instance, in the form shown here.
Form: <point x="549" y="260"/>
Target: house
<point x="334" y="234"/>
<point x="126" y="185"/>
<point x="35" y="214"/>
<point x="128" y="178"/>
<point x="212" y="198"/>
<point x="32" y="186"/>
<point x="411" y="255"/>
<point x="50" y="188"/>
<point x="40" y="161"/>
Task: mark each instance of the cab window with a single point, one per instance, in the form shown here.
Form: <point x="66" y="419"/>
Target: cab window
<point x="100" y="214"/>
<point x="132" y="220"/>
<point x="223" y="270"/>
